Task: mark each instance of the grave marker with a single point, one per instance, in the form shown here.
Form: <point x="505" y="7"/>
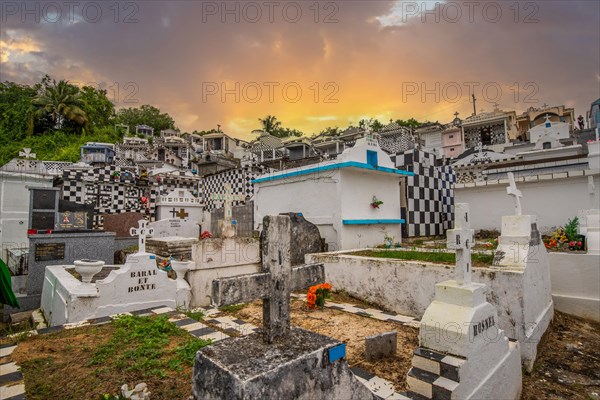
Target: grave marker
<point x="274" y="284"/>
<point x="516" y="193"/>
<point x="227" y="226"/>
<point x="142" y="231"/>
<point x="461" y="239"/>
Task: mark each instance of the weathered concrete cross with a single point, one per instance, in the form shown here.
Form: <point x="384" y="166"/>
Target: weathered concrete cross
<point x="274" y="284"/>
<point x="228" y="197"/>
<point x="142" y="231"/>
<point x="461" y="239"/>
<point x="513" y="191"/>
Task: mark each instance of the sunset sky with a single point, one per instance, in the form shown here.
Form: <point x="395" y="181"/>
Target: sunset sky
<point x="311" y="64"/>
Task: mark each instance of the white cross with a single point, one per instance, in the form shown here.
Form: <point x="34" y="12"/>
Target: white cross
<point x="141" y="232"/>
<point x="513" y="191"/>
<point x="461" y="239"/>
<point x="27" y="153"/>
<point x="228" y="197"/>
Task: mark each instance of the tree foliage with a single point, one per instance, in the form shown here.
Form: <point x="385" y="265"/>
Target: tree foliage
<point x="271" y="125"/>
<point x="145" y="115"/>
<point x="62" y="102"/>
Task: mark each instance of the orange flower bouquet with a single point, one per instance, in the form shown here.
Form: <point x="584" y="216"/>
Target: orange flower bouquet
<point x="317" y="295"/>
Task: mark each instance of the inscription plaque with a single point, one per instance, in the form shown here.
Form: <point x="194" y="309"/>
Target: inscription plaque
<point x="49" y="251"/>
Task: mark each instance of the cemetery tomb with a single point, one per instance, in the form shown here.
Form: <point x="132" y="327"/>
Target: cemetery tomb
<point x="354" y="200"/>
<point x="294" y="363"/>
<point x="518" y="281"/>
<point x="179" y="204"/>
<point x="113" y="289"/>
<point x="463" y="354"/>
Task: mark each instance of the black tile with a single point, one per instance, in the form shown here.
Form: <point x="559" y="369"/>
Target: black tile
<point x="422" y="375"/>
<point x="16" y="376"/>
<point x="231" y="331"/>
<point x="144" y="311"/>
<point x="441" y="393"/>
<point x="431" y="355"/>
<point x="239" y="321"/>
<point x="336" y="307"/>
<point x="449" y="371"/>
<point x="361" y="307"/>
<point x="361" y="373"/>
<point x="414" y="396"/>
<point x="101" y="320"/>
<point x="364" y="314"/>
<point x="2" y="346"/>
<point x="50" y="329"/>
<point x="202" y="331"/>
<point x="393" y="314"/>
<point x="5" y="360"/>
<point x="17" y="397"/>
<point x="212" y="321"/>
<point x="185" y="321"/>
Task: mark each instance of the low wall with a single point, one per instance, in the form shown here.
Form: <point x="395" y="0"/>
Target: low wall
<point x="408" y="287"/>
<point x="576" y="284"/>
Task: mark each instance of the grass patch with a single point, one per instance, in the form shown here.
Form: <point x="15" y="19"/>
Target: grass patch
<point x="89" y="362"/>
<point x="232" y="308"/>
<point x="197" y="315"/>
<point x="478" y="259"/>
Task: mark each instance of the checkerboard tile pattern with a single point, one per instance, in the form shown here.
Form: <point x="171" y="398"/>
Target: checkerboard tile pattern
<point x="12" y="386"/>
<point x="368" y="312"/>
<point x="240" y="180"/>
<point x="111" y="195"/>
<point x="430" y="193"/>
<point x="434" y="375"/>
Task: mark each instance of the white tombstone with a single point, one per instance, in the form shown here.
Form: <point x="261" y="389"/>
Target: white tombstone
<point x="142" y="232"/>
<point x="460" y="331"/>
<point x="461" y="239"/>
<point x="137" y="285"/>
<point x="226" y="225"/>
<point x="175" y="227"/>
<point x="520" y="248"/>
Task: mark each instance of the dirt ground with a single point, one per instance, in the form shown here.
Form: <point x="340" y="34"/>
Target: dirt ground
<point x="352" y="330"/>
<point x="568" y="363"/>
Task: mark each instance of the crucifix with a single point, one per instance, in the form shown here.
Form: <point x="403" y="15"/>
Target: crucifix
<point x="173" y="212"/>
<point x="228" y="198"/>
<point x="274" y="283"/>
<point x="26" y="153"/>
<point x="141" y="231"/>
<point x="181" y="214"/>
<point x="460" y="239"/>
<point x="513" y="191"/>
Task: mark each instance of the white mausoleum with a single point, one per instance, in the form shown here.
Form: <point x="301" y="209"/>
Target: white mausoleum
<point x="337" y="196"/>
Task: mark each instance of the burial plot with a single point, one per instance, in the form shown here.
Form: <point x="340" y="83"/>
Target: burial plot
<point x="463" y="354"/>
<point x="58" y="237"/>
<point x="294" y="363"/>
<point x="137" y="285"/>
<point x="520" y="248"/>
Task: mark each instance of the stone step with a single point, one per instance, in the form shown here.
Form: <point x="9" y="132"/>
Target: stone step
<point x="412" y="396"/>
<point x="430" y="385"/>
<point x="438" y="363"/>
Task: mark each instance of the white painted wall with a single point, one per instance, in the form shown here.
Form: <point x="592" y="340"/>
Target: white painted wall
<point x="315" y="196"/>
<point x="576" y="284"/>
<point x="14" y="208"/>
<point x="554" y="201"/>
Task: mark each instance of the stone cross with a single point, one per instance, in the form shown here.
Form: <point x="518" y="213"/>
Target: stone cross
<point x="27" y="153"/>
<point x="274" y="284"/>
<point x="513" y="191"/>
<point x="228" y="198"/>
<point x="142" y="231"/>
<point x="181" y="213"/>
<point x="460" y="239"/>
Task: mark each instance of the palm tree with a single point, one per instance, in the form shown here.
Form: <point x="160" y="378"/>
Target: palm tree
<point x="62" y="101"/>
<point x="270" y="124"/>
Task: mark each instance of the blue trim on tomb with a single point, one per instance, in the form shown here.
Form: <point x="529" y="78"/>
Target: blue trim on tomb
<point x="372" y="221"/>
<point x="347" y="164"/>
<point x="337" y="352"/>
